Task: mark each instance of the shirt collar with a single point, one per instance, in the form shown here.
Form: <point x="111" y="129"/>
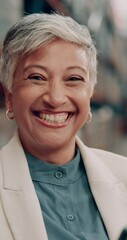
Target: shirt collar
<point x="45" y="172"/>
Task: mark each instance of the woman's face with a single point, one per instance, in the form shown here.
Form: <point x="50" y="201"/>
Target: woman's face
<point x="51" y="98"/>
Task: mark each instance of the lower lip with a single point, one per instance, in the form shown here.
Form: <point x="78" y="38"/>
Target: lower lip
<point x="53" y="125"/>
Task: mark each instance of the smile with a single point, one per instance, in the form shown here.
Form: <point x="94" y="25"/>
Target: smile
<point x="55" y="119"/>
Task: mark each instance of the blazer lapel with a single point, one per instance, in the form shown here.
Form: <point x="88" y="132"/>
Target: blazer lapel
<point x="109" y="193"/>
<point x="19" y="199"/>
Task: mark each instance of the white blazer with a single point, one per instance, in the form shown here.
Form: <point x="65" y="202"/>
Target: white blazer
<point x="20" y="212"/>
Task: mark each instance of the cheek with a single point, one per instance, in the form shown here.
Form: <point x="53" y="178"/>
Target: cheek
<point x="25" y="95"/>
<point x="83" y="99"/>
<point x="83" y="107"/>
<point x="21" y="102"/>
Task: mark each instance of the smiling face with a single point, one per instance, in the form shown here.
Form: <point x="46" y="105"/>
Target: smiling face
<point x="51" y="100"/>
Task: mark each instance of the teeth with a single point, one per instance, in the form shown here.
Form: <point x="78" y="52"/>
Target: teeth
<point x="53" y="118"/>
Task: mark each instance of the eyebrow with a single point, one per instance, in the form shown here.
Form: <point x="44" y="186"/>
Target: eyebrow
<point x="37" y="66"/>
<point x="46" y="70"/>
<point x="77" y="67"/>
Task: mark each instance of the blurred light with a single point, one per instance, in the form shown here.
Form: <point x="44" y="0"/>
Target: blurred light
<point x="119" y="8"/>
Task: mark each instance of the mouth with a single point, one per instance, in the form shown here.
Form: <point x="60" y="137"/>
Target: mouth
<point x="55" y="119"/>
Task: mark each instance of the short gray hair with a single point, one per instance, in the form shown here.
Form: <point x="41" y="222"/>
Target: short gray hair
<point x="35" y="30"/>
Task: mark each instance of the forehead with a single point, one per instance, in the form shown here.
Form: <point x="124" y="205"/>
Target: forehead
<point x="58" y="51"/>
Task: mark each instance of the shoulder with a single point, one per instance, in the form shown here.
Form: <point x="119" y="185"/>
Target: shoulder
<point x="1" y="173"/>
<point x="9" y="152"/>
<point x="13" y="143"/>
<point x="107" y="155"/>
<point x="110" y="158"/>
<point x="117" y="164"/>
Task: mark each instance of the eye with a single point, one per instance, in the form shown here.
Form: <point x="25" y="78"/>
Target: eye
<point x="75" y="78"/>
<point x="36" y="77"/>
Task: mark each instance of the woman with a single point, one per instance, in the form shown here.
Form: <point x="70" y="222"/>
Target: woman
<point x="52" y="186"/>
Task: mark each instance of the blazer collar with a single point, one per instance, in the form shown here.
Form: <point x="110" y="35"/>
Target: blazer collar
<point x="109" y="193"/>
<point x="18" y="195"/>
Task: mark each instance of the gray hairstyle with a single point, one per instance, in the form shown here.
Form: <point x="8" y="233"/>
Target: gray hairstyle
<point x="35" y="30"/>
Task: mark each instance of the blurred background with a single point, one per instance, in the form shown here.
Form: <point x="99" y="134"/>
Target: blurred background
<point x="107" y="22"/>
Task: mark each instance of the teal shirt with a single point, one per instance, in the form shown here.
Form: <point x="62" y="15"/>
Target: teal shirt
<point x="67" y="204"/>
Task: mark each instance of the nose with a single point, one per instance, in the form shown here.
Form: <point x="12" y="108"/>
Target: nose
<point x="55" y="95"/>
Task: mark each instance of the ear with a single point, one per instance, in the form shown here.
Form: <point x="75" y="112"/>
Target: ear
<point x="8" y="99"/>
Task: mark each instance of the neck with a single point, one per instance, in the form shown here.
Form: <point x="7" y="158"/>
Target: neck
<point x="58" y="156"/>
